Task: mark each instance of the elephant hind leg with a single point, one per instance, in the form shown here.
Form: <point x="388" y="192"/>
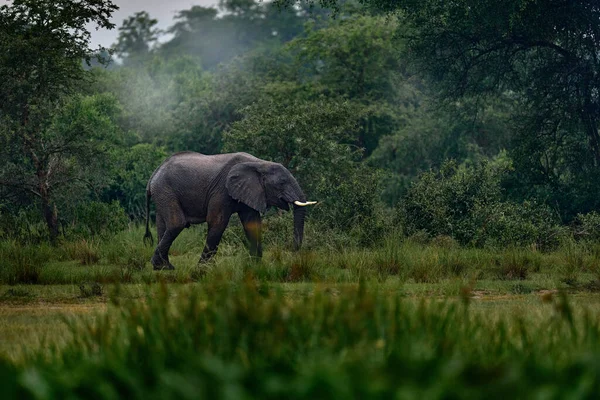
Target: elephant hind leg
<point x="161" y="227"/>
<point x="160" y="259"/>
<point x="168" y="230"/>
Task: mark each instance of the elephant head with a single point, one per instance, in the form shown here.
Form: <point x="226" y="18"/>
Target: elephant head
<point x="262" y="184"/>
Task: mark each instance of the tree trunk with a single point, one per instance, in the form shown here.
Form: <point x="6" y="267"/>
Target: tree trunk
<point x="592" y="132"/>
<point x="48" y="210"/>
<point x="51" y="217"/>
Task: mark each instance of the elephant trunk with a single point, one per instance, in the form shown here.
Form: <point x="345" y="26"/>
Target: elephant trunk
<point x="299" y="214"/>
<point x="296" y="196"/>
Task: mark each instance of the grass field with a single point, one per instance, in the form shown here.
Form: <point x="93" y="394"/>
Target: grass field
<point x="33" y="318"/>
<point x="405" y="319"/>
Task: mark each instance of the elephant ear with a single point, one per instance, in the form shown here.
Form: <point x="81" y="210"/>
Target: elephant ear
<point x="244" y="184"/>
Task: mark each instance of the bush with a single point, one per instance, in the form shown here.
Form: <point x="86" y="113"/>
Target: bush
<point x="511" y="224"/>
<point x="95" y="218"/>
<point x="587" y="226"/>
<point x="350" y="203"/>
<point x="466" y="203"/>
<point x="132" y="168"/>
<point x="24" y="226"/>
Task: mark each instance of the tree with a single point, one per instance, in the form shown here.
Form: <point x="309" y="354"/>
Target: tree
<point x="43" y="44"/>
<point x="136" y="36"/>
<point x="463" y="131"/>
<point x="545" y="50"/>
<point x="237" y="26"/>
<point x="360" y="59"/>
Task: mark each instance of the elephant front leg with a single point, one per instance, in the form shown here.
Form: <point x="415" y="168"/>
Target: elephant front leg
<point x="253" y="229"/>
<point x="213" y="238"/>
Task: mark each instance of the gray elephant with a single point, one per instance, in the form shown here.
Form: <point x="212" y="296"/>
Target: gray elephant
<point x="191" y="188"/>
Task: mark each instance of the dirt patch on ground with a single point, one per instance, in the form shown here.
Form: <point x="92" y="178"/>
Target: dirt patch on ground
<point x="480" y="294"/>
<point x="43" y="307"/>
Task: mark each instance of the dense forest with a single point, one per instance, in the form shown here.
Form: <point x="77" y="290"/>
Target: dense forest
<point x="475" y="120"/>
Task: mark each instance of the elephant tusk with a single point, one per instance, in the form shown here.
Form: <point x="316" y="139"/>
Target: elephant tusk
<point x="308" y="203"/>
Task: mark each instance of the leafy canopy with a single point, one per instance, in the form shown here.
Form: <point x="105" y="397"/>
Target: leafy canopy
<point x="43" y="45"/>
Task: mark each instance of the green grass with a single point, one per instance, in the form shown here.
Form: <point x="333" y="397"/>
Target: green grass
<point x="259" y="340"/>
<point x="124" y="259"/>
<point x="90" y="318"/>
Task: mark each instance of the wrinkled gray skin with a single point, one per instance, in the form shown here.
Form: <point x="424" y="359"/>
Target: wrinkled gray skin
<point x="191" y="188"/>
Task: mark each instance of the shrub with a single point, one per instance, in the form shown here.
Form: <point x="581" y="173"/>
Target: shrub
<point x="24" y="225"/>
<point x="93" y="289"/>
<point x="350" y="202"/>
<point x="587" y="226"/>
<point x="466" y="203"/>
<point x="132" y="168"/>
<point x="95" y="218"/>
<point x="510" y="224"/>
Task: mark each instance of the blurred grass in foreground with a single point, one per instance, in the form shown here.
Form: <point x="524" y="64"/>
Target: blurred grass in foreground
<point x="249" y="340"/>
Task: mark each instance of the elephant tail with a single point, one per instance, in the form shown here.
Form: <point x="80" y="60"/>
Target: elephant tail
<point x="148" y="236"/>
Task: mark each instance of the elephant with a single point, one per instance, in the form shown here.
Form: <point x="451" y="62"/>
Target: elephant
<point x="192" y="188"/>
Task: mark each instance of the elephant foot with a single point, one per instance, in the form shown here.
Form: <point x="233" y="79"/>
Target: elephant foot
<point x="206" y="257"/>
<point x="167" y="267"/>
<point x="160" y="264"/>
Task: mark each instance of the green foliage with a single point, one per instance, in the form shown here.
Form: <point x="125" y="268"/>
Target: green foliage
<point x="435" y="132"/>
<point x="251" y="341"/>
<point x="555" y="165"/>
<point x="588" y="226"/>
<point x="131" y="171"/>
<point x="66" y="160"/>
<point x="22" y="225"/>
<point x="95" y="218"/>
<point x="351" y="204"/>
<point x="44" y="44"/>
<point x="490" y="49"/>
<point x="360" y="60"/>
<point x="466" y="202"/>
<point x="349" y="105"/>
<point x="306" y="137"/>
<point x="136" y="37"/>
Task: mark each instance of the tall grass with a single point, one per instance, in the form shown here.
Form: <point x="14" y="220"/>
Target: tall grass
<point x="22" y="263"/>
<point x="123" y="258"/>
<point x="249" y="341"/>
